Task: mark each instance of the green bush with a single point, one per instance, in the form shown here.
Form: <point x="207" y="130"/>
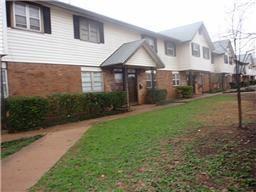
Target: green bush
<point x="184" y="91"/>
<point x="26" y="113"/>
<point x="156" y="95"/>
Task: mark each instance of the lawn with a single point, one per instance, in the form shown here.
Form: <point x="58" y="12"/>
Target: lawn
<point x="10" y="147"/>
<point x="191" y="147"/>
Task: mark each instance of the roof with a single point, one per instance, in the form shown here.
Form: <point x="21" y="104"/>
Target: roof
<point x="96" y="16"/>
<point x="186" y="33"/>
<point x="127" y="50"/>
<point x="221" y="46"/>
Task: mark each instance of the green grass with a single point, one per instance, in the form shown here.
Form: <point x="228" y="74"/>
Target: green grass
<point x="129" y="152"/>
<point x="10" y="147"/>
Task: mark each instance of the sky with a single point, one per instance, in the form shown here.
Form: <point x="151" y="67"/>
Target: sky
<point x="158" y="15"/>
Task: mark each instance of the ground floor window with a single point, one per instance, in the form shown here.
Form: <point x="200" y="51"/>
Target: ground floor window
<point x="175" y="78"/>
<point x="4" y="80"/>
<point x="92" y="81"/>
<point x="150" y="79"/>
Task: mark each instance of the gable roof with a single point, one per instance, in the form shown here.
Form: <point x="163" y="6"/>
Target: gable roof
<point x="186" y="33"/>
<point x="102" y="18"/>
<point x="221" y="46"/>
<point x="127" y="50"/>
<point x="183" y="33"/>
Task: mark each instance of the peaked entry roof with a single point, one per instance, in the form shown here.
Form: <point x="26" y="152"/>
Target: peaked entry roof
<point x="127" y="50"/>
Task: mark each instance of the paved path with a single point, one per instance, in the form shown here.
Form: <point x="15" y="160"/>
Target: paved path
<point x="23" y="169"/>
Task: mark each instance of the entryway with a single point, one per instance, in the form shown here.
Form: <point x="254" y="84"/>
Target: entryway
<point x="132" y="86"/>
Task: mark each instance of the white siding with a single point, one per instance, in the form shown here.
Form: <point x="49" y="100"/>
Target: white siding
<point x="221" y="67"/>
<point x="141" y="58"/>
<point x="2" y="28"/>
<point x="169" y="61"/>
<point x="60" y="47"/>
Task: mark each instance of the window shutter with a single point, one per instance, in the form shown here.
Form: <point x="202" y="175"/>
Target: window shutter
<point x="8" y="13"/>
<point x="47" y="19"/>
<point x="155" y="42"/>
<point x="165" y="47"/>
<point x="101" y="26"/>
<point x="76" y="26"/>
<point x="174" y="45"/>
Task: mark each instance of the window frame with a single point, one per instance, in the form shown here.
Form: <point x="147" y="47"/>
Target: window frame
<point x="149" y="80"/>
<point x="175" y="78"/>
<point x="92" y="82"/>
<point x="4" y="80"/>
<point x="193" y="51"/>
<point x="168" y="48"/>
<point x="27" y="15"/>
<point x="206" y="50"/>
<point x="225" y="59"/>
<point x="90" y="22"/>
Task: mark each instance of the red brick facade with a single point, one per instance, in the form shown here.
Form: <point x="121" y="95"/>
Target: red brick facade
<point x="164" y="81"/>
<point x="26" y="79"/>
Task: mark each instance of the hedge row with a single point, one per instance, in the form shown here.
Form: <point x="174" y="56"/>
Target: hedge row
<point x="27" y="113"/>
<point x="156" y="95"/>
<point x="233" y="85"/>
<point x="184" y="91"/>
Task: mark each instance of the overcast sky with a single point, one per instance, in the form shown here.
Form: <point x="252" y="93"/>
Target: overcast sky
<point x="157" y="15"/>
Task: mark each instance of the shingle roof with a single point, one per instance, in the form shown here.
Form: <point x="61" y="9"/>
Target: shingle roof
<point x="126" y="50"/>
<point x="183" y="33"/>
<point x="221" y="46"/>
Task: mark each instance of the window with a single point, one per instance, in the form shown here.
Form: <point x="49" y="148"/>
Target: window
<point x="89" y="30"/>
<point x="206" y="53"/>
<point x="170" y="48"/>
<point x="195" y="49"/>
<point x="225" y="59"/>
<point x="4" y="80"/>
<point x="92" y="81"/>
<point x="151" y="41"/>
<point x="212" y="58"/>
<point x="175" y="78"/>
<point x="27" y="16"/>
<point x="149" y="79"/>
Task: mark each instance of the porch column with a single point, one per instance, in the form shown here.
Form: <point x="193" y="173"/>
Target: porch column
<point x="125" y="86"/>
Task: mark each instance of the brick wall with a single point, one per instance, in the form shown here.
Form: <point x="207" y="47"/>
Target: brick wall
<point x="164" y="81"/>
<point x="43" y="79"/>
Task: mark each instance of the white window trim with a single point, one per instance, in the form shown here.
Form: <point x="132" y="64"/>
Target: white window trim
<point x="92" y="80"/>
<point x="150" y="80"/>
<point x="6" y="94"/>
<point x="173" y="49"/>
<point x="206" y="48"/>
<point x="194" y="49"/>
<point x="175" y="79"/>
<point x="27" y="18"/>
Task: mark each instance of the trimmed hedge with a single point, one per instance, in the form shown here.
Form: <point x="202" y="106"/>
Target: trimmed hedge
<point x="27" y="113"/>
<point x="156" y="95"/>
<point x="184" y="91"/>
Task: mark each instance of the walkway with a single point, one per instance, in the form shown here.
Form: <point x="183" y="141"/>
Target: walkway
<point x="23" y="169"/>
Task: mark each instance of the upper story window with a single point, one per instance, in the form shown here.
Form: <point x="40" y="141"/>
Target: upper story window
<point x="150" y="79"/>
<point x="170" y="48"/>
<point x="151" y="41"/>
<point x="206" y="53"/>
<point x="195" y="49"/>
<point x="230" y="60"/>
<point x="27" y="16"/>
<point x="212" y="58"/>
<point x="88" y="30"/>
<point x="225" y="59"/>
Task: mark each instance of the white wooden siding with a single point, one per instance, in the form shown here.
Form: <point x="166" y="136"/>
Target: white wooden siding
<point x="141" y="58"/>
<point x="2" y="28"/>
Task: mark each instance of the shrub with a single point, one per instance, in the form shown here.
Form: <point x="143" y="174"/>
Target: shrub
<point x="184" y="91"/>
<point x="217" y="90"/>
<point x="26" y="113"/>
<point x="156" y="95"/>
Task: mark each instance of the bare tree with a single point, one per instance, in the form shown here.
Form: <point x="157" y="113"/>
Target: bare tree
<point x="243" y="42"/>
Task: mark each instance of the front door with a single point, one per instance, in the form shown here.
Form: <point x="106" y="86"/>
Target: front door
<point x="132" y="87"/>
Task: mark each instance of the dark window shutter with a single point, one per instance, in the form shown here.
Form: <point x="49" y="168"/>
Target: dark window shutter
<point x="8" y="13"/>
<point x="47" y="19"/>
<point x="76" y="27"/>
<point x="165" y="47"/>
<point x="174" y="45"/>
<point x="101" y="26"/>
<point x="155" y="42"/>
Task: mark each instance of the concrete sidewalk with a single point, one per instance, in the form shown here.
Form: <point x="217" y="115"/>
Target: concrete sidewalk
<point x="23" y="169"/>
